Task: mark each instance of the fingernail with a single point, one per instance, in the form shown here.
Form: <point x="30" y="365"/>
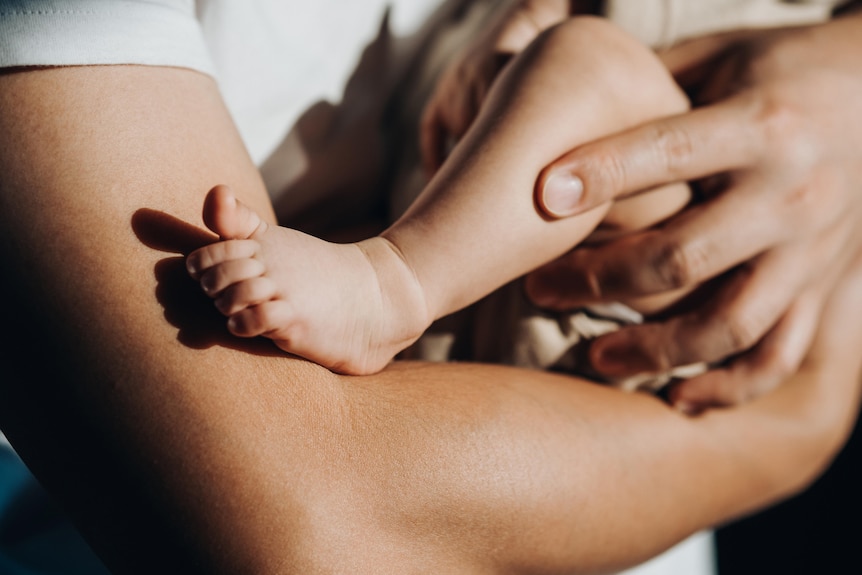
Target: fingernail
<point x="562" y="194"/>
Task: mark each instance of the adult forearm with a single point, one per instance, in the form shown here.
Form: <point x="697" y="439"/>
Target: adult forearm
<point x="108" y="375"/>
<point x="571" y="476"/>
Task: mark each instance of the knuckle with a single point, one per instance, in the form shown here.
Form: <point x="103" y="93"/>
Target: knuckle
<point x="606" y="166"/>
<point x="817" y="201"/>
<point x="803" y="201"/>
<point x="678" y="265"/>
<point x="774" y="117"/>
<point x="794" y="147"/>
<point x="785" y="134"/>
<point x="663" y="358"/>
<point x="682" y="345"/>
<point x="741" y="332"/>
<point x="674" y="148"/>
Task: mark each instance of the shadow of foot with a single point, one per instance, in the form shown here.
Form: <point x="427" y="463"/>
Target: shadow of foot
<point x="199" y="324"/>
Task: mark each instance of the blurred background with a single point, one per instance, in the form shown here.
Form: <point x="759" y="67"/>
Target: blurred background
<point x="816" y="532"/>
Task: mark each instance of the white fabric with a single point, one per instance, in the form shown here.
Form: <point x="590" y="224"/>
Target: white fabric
<point x="57" y="32"/>
<point x="661" y="23"/>
<point x="694" y="556"/>
<point x="273" y="59"/>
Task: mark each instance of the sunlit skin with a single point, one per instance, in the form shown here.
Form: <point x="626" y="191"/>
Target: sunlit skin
<point x="177" y="447"/>
<point x="779" y="163"/>
<point x="353" y="307"/>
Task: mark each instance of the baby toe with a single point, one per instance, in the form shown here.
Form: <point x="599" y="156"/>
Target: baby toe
<point x="244" y="294"/>
<point x="200" y="260"/>
<point x="220" y="277"/>
<point x="268" y="318"/>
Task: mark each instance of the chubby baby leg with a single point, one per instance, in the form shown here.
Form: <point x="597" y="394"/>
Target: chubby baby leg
<point x="476" y="225"/>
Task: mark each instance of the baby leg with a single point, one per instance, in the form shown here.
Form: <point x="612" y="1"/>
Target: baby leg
<point x="475" y="226"/>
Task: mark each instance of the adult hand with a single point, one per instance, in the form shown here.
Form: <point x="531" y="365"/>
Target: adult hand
<point x="775" y="145"/>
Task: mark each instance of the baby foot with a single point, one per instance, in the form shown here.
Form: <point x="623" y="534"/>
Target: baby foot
<point x="348" y="307"/>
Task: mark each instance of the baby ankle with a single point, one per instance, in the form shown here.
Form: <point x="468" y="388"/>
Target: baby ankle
<point x="399" y="285"/>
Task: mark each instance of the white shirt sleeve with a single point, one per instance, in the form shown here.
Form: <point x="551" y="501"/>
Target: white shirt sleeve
<point x="92" y="32"/>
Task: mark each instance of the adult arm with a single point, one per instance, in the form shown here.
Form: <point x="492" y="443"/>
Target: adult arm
<point x="773" y="144"/>
<point x="177" y="448"/>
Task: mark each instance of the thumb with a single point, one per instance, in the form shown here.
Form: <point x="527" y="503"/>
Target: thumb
<point x="559" y="193"/>
<point x="589" y="176"/>
<point x="228" y="217"/>
<point x="702" y="142"/>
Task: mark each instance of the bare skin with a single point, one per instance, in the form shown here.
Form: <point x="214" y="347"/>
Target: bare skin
<point x="780" y="163"/>
<point x="177" y="448"/>
<point x="356" y="306"/>
<point x="464" y="84"/>
<point x="352" y="307"/>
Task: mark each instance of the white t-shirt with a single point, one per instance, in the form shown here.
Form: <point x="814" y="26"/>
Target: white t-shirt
<point x="272" y="60"/>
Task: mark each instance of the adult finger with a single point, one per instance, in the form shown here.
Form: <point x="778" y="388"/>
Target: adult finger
<point x="743" y="310"/>
<point x="775" y="358"/>
<point x="689" y="146"/>
<point x="699" y="244"/>
<point x="735" y="319"/>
